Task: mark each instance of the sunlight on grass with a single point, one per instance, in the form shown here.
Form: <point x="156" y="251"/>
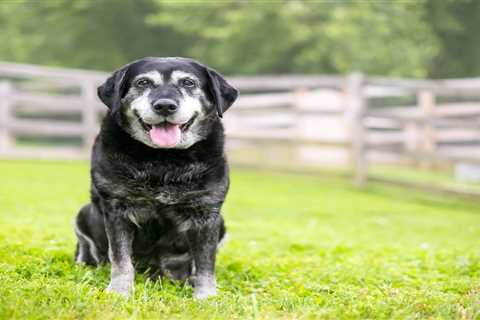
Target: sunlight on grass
<point x="437" y="178"/>
<point x="300" y="247"/>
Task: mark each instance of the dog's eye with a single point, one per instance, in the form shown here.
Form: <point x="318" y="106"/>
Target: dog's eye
<point x="189" y="83"/>
<point x="143" y="83"/>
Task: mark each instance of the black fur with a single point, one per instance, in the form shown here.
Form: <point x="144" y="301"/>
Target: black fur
<point x="161" y="204"/>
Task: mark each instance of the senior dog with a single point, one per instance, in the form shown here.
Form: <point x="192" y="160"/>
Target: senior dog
<point x="159" y="175"/>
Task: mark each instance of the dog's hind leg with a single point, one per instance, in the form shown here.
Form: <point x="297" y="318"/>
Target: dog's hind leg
<point x="90" y="231"/>
<point x="85" y="253"/>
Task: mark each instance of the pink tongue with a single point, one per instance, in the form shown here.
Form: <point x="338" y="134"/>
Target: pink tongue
<point x="166" y="136"/>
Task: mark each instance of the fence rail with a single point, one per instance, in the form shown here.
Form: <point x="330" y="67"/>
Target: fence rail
<point x="440" y="128"/>
<point x="299" y="120"/>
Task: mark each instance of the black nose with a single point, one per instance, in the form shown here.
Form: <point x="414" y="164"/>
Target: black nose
<point x="165" y="107"/>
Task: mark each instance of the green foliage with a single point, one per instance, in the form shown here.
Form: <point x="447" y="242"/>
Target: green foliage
<point x="88" y="34"/>
<point x="397" y="38"/>
<point x="299" y="248"/>
<point x="456" y="24"/>
<point x="307" y="37"/>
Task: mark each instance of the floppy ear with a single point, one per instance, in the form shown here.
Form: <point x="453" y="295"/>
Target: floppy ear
<point x="223" y="94"/>
<point x="111" y="91"/>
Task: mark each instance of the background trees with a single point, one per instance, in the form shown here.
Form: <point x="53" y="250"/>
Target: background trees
<point x="416" y="39"/>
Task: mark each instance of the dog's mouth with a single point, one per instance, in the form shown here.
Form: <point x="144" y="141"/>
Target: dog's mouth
<point x="166" y="134"/>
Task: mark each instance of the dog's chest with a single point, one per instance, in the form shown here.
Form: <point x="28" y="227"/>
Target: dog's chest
<point x="159" y="185"/>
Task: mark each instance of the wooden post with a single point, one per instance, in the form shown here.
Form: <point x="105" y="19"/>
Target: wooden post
<point x="6" y="139"/>
<point x="356" y="108"/>
<point x="89" y="114"/>
<point x="426" y="103"/>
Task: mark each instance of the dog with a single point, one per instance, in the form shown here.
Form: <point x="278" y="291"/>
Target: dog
<point x="159" y="175"/>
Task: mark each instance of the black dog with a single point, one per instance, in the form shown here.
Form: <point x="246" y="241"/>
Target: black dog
<point x="159" y="174"/>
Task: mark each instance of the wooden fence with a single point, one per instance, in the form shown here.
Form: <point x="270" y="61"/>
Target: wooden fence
<point x="41" y="107"/>
<point x="426" y="124"/>
<point x="54" y="113"/>
<point x="278" y="121"/>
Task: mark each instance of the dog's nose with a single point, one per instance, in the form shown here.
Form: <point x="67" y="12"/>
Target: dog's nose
<point x="165" y="107"/>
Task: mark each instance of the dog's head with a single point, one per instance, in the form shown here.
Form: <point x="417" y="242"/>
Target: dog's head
<point x="167" y="102"/>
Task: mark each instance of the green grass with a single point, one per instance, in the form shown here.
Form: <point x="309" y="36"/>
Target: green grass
<point x="438" y="178"/>
<point x="301" y="247"/>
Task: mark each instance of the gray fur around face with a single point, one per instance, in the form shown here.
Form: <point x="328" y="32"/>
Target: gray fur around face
<point x="155" y="208"/>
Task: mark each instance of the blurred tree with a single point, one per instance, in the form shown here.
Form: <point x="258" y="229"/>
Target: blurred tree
<point x="456" y="24"/>
<point x="305" y="36"/>
<point x="399" y="38"/>
<point x="100" y="34"/>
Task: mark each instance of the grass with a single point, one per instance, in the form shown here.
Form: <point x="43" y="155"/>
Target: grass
<point x="438" y="178"/>
<point x="301" y="247"/>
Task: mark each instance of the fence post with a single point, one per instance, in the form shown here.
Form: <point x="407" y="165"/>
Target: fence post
<point x="89" y="114"/>
<point x="6" y="139"/>
<point x="426" y="103"/>
<point x="356" y="107"/>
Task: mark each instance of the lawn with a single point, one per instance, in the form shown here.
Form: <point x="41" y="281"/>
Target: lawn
<point x="301" y="247"/>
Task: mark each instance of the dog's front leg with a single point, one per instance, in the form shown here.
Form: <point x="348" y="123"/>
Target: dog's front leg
<point x="120" y="239"/>
<point x="203" y="239"/>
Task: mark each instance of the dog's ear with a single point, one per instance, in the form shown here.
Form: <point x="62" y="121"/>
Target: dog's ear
<point x="111" y="91"/>
<point x="223" y="94"/>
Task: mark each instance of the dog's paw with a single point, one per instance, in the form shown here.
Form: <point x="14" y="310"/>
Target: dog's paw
<point x="204" y="286"/>
<point x="202" y="293"/>
<point x="124" y="288"/>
